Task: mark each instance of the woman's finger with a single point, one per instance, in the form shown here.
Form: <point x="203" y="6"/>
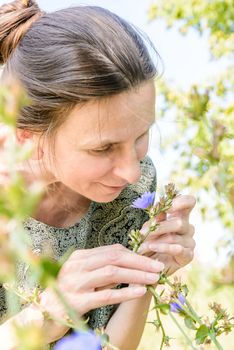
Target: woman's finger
<point x="116" y="256"/>
<point x="182" y="205"/>
<point x="181" y="254"/>
<point x="111" y="275"/>
<point x="107" y="297"/>
<point x="151" y="244"/>
<point x="146" y="225"/>
<point x="176" y="224"/>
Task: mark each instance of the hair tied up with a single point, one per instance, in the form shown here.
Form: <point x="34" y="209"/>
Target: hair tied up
<point x="15" y="20"/>
<point x="26" y="2"/>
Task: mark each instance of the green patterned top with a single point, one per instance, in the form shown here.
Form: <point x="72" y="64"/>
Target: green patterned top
<point x="103" y="224"/>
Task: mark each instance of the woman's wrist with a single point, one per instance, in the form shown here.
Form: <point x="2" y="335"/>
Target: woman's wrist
<point x="54" y="316"/>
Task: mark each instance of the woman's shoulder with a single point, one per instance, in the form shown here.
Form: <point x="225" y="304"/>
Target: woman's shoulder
<point x="148" y="167"/>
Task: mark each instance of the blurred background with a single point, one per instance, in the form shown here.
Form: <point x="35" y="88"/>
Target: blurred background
<point x="192" y="142"/>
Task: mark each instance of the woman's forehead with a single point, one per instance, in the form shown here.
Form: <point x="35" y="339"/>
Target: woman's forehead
<point x="135" y="104"/>
<point x="119" y="114"/>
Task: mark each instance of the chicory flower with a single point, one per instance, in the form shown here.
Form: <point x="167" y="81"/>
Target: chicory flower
<point x="145" y="201"/>
<point x="79" y="340"/>
<point x="176" y="307"/>
<point x="181" y="298"/>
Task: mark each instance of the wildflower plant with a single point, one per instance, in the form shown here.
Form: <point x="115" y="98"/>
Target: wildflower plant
<point x="173" y="298"/>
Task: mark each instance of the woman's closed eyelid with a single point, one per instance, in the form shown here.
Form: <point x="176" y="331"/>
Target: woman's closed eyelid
<point x="110" y="147"/>
<point x="103" y="149"/>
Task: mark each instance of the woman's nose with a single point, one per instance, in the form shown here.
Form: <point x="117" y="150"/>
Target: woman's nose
<point x="128" y="168"/>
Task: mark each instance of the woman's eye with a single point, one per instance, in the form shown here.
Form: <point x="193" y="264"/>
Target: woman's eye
<point x="101" y="150"/>
<point x="107" y="149"/>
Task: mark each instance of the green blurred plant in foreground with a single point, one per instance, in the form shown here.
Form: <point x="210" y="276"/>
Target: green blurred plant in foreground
<point x="17" y="202"/>
<point x="202" y="293"/>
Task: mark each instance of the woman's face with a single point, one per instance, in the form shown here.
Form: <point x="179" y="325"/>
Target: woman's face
<point x="99" y="146"/>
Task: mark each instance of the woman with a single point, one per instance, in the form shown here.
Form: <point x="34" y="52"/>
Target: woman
<point x="90" y="80"/>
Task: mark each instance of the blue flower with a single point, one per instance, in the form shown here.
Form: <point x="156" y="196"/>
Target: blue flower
<point x="175" y="307"/>
<point x="181" y="298"/>
<point x="143" y="202"/>
<point x="79" y="341"/>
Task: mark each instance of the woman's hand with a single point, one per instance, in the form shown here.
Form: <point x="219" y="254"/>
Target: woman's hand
<point x="86" y="278"/>
<point x="172" y="243"/>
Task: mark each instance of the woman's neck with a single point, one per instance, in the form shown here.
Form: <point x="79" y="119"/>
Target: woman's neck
<point x="59" y="206"/>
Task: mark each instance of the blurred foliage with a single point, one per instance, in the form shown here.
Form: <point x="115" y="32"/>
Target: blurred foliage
<point x="204" y="113"/>
<point x="17" y="202"/>
<point x="201" y="292"/>
<point x="215" y="17"/>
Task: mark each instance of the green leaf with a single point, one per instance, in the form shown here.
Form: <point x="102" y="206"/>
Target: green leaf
<point x="164" y="308"/>
<point x="189" y="323"/>
<point x="48" y="271"/>
<point x="201" y="334"/>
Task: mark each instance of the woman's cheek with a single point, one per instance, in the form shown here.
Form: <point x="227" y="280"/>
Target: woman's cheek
<point x="96" y="167"/>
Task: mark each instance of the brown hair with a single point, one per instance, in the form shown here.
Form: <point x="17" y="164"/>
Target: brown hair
<point x="68" y="57"/>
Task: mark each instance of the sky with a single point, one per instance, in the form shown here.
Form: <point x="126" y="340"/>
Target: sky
<point x="186" y="61"/>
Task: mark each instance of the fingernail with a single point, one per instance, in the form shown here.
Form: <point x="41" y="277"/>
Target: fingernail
<point x="153" y="246"/>
<point x="158" y="265"/>
<point x="144" y="230"/>
<point x="139" y="290"/>
<point x="152" y="277"/>
<point x="142" y="248"/>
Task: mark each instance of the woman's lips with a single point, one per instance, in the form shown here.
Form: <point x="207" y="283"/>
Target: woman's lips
<point x="115" y="188"/>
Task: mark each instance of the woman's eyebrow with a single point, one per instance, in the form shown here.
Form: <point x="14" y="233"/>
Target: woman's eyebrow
<point x="106" y="142"/>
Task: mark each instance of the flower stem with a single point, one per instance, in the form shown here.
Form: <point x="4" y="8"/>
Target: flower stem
<point x="211" y="334"/>
<point x="161" y="326"/>
<point x="215" y="341"/>
<point x="156" y="299"/>
<point x="193" y="313"/>
<point x="166" y="279"/>
<point x="189" y="342"/>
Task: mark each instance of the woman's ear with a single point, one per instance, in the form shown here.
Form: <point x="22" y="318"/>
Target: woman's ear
<point x="23" y="136"/>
